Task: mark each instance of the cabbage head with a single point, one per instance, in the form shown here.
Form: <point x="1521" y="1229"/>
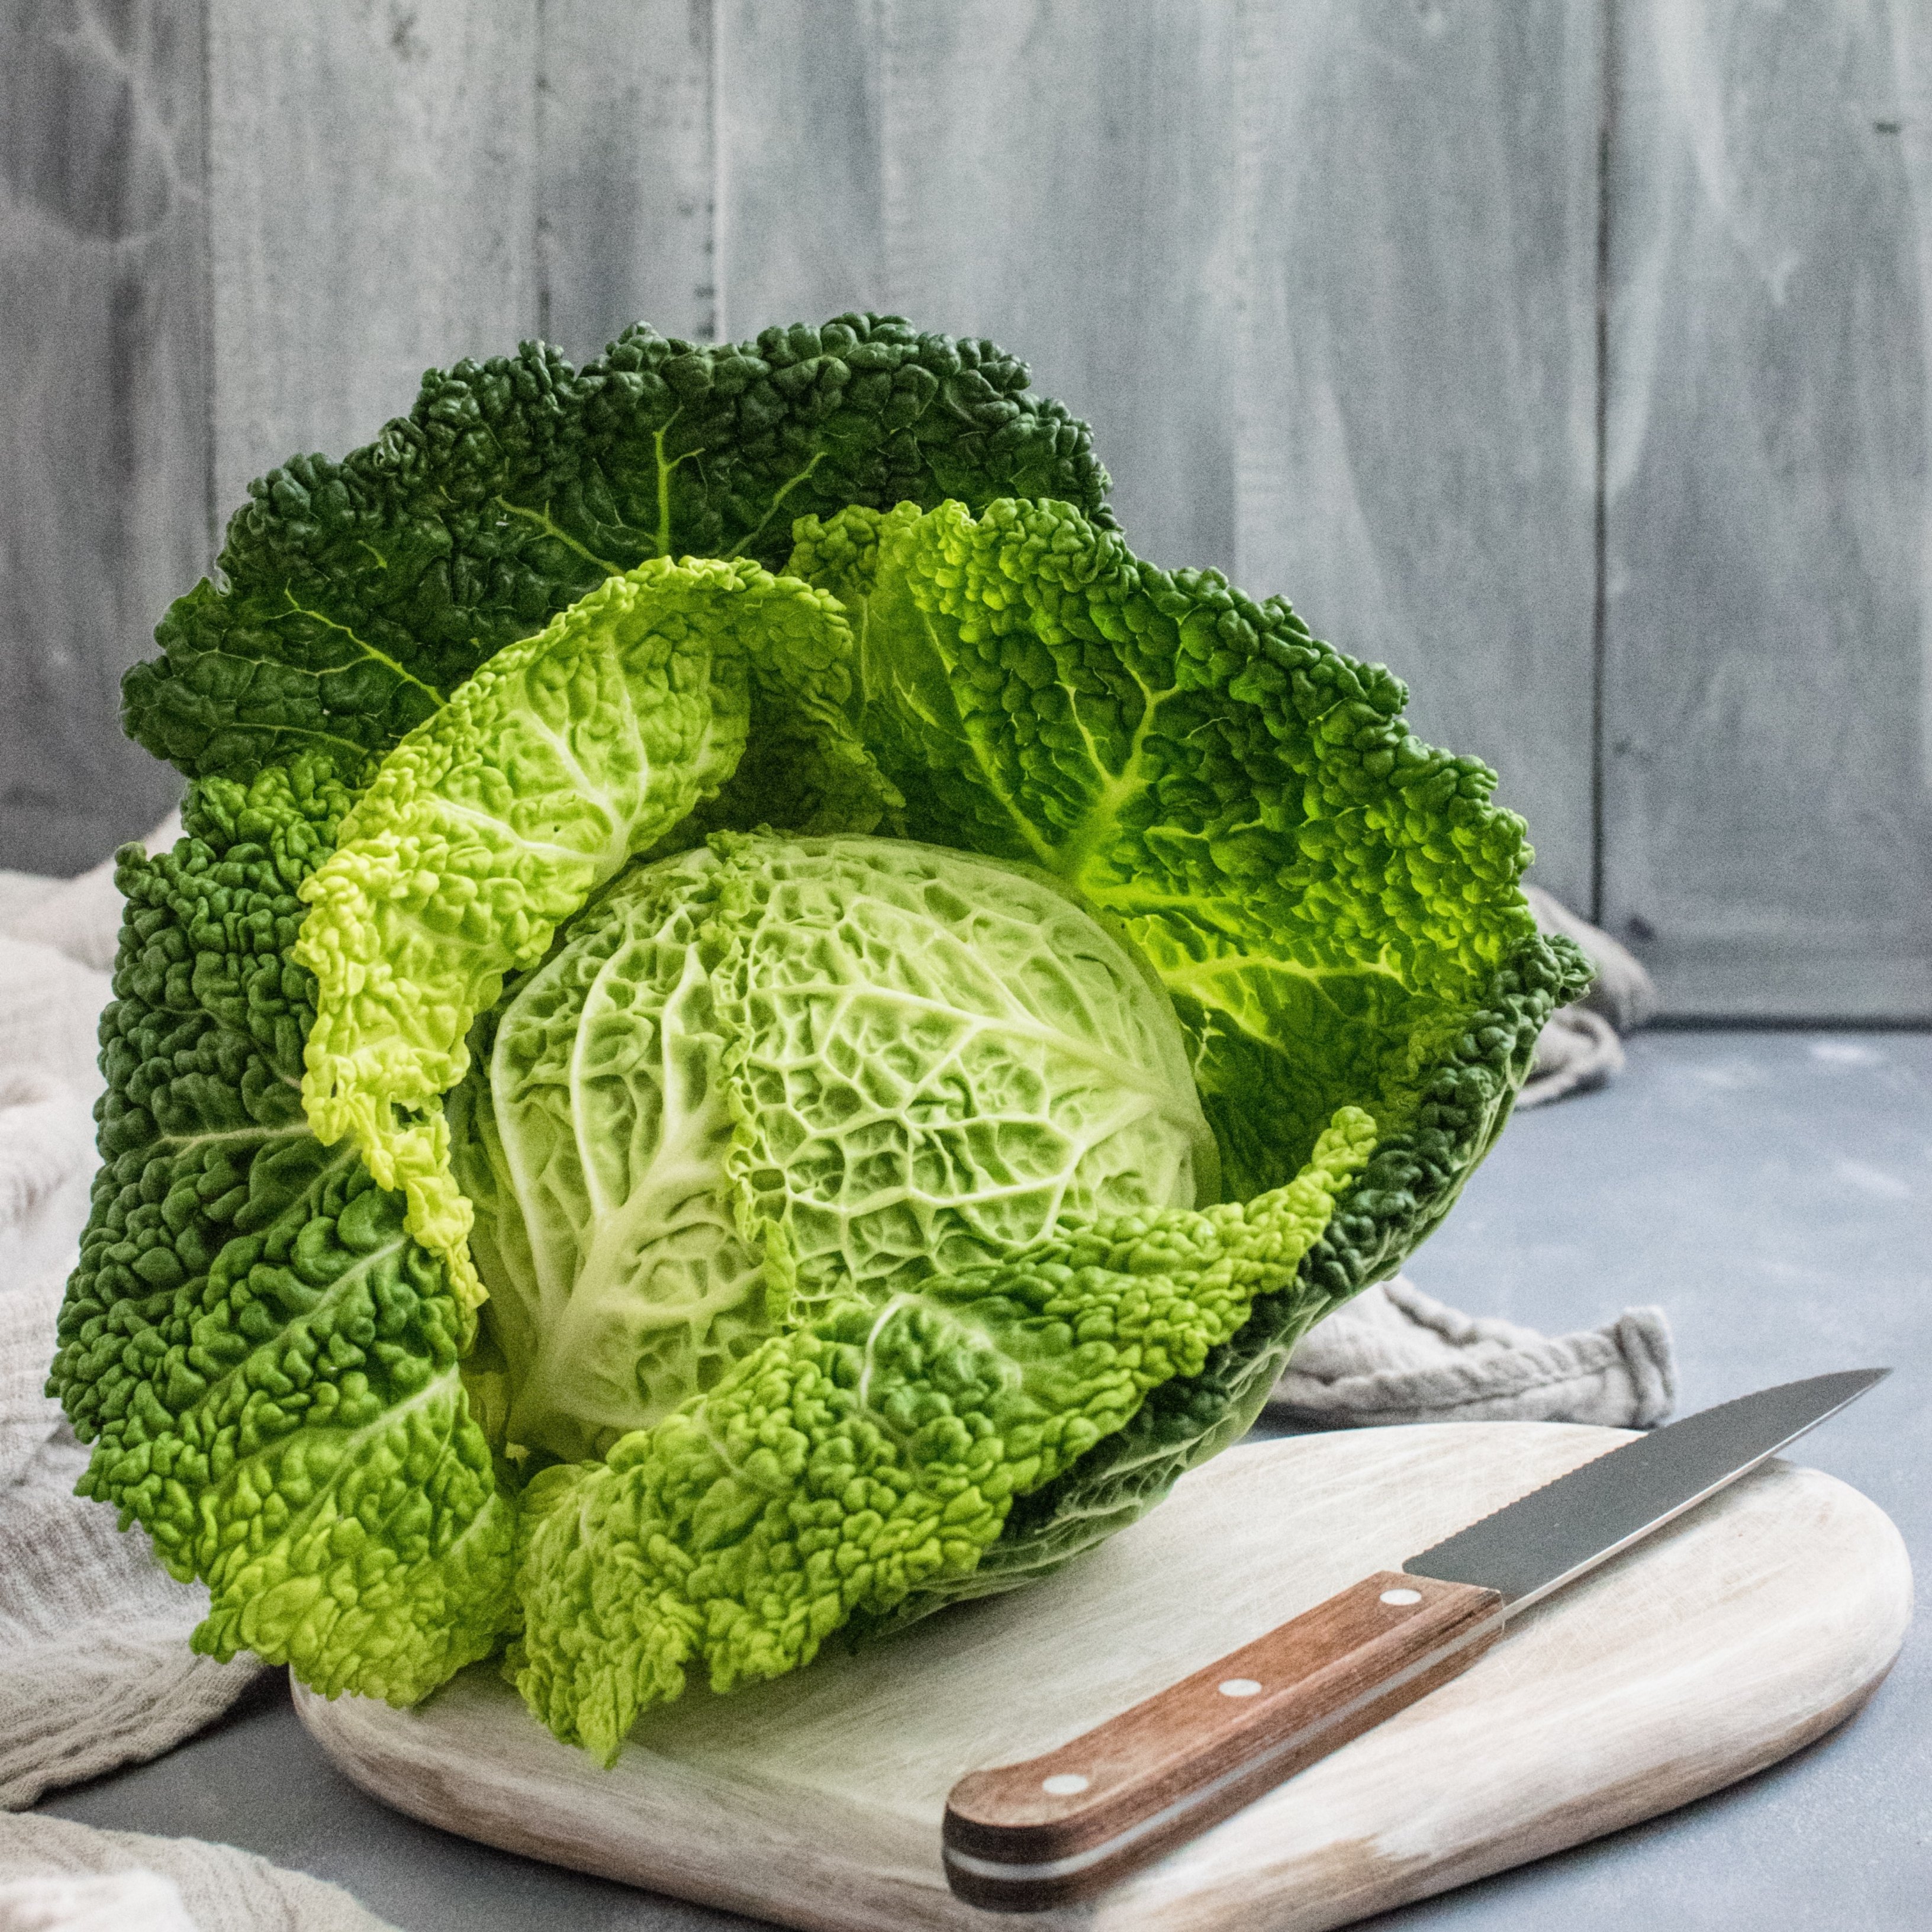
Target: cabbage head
<point x="767" y="1073"/>
<point x="757" y="1027"/>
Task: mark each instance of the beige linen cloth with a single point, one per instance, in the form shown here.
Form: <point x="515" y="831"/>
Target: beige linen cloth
<point x="58" y="1876"/>
<point x="95" y="1671"/>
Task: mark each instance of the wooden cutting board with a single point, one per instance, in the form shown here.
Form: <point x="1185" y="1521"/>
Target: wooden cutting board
<point x="1723" y="1642"/>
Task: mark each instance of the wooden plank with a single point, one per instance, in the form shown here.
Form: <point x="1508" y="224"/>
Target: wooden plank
<point x="1057" y="178"/>
<point x="1714" y="1648"/>
<point x="103" y="286"/>
<point x="372" y="170"/>
<point x="625" y="171"/>
<point x="1416" y="377"/>
<point x="796" y="93"/>
<point x="1769" y="823"/>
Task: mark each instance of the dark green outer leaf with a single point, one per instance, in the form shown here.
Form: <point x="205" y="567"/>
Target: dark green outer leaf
<point x="265" y="1363"/>
<point x="360" y="593"/>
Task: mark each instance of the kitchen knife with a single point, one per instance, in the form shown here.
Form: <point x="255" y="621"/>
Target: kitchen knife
<point x="1061" y="1827"/>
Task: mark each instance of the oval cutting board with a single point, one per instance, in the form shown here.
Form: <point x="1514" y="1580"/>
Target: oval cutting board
<point x="1734" y="1637"/>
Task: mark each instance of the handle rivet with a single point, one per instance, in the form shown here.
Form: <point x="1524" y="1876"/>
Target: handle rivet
<point x="1401" y="1596"/>
<point x="1239" y="1687"/>
<point x="1064" y="1784"/>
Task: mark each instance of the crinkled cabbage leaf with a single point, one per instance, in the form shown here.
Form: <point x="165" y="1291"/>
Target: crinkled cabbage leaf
<point x="357" y="594"/>
<point x="566" y="756"/>
<point x="268" y="1366"/>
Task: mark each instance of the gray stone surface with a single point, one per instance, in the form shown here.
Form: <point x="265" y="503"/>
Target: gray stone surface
<point x="1774" y="1192"/>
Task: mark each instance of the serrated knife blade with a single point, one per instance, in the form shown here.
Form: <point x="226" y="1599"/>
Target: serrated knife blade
<point x="1059" y="1828"/>
<point x="1549" y="1537"/>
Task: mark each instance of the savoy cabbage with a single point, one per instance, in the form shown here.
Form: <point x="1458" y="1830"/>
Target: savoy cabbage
<point x="755" y="1027"/>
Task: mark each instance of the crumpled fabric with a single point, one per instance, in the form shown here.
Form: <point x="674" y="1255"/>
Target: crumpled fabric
<point x="58" y="1876"/>
<point x="1393" y="1354"/>
<point x="1579" y="1049"/>
<point x="64" y="1902"/>
<point x="95" y="1670"/>
<point x="79" y="917"/>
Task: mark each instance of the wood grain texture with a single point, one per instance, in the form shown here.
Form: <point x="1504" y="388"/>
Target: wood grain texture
<point x="1416" y="374"/>
<point x="1061" y="179"/>
<point x="1324" y="277"/>
<point x="1062" y="1827"/>
<point x="373" y="166"/>
<point x="799" y="232"/>
<point x="1768" y="722"/>
<point x="625" y="171"/>
<point x="1731" y="1638"/>
<point x="104" y="513"/>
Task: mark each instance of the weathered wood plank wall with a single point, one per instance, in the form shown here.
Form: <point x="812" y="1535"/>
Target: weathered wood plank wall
<point x="1570" y="357"/>
<point x="1768" y="711"/>
<point x="105" y="370"/>
<point x="1417" y="381"/>
<point x="372" y="209"/>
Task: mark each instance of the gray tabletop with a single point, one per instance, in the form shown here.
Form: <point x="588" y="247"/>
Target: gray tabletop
<point x="1773" y="1191"/>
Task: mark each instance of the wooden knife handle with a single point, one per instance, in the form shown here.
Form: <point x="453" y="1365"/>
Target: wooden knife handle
<point x="1064" y="1826"/>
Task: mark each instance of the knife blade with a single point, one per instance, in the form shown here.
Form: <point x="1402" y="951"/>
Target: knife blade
<point x="1059" y="1828"/>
